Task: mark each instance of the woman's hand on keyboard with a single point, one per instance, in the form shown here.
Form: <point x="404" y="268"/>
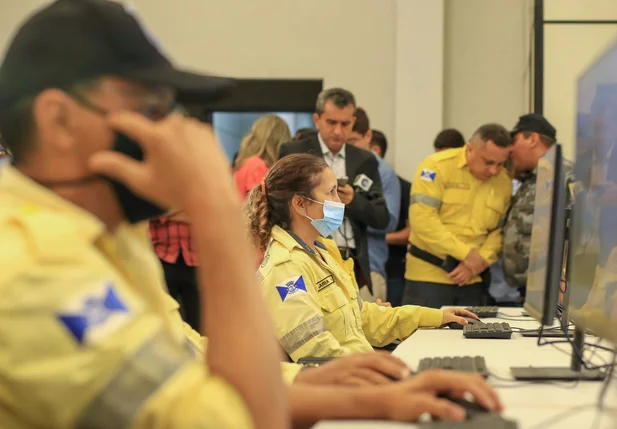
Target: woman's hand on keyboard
<point x="457" y="315"/>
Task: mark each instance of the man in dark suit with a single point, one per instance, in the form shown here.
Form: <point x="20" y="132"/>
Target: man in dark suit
<point x="365" y="206"/>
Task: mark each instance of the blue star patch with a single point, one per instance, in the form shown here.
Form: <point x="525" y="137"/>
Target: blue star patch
<point x="428" y="175"/>
<point x="292" y="286"/>
<point x="94" y="314"/>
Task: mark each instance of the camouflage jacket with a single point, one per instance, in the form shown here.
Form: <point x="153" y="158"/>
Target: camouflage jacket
<point x="517" y="229"/>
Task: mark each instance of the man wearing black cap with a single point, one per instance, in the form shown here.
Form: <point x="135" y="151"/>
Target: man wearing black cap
<point x="532" y="137"/>
<point x="88" y="337"/>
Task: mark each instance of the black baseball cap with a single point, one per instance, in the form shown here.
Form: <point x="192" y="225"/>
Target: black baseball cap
<point x="534" y="123"/>
<point x="72" y="41"/>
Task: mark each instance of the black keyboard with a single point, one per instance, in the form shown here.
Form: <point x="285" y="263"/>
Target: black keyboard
<point x="460" y="363"/>
<point x="500" y="330"/>
<point x="484" y="311"/>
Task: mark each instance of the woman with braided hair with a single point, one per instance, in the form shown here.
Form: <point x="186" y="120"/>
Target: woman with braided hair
<point x="309" y="289"/>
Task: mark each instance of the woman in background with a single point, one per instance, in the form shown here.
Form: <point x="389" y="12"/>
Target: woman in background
<point x="258" y="151"/>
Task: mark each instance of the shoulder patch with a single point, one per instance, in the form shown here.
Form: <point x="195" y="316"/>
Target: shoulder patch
<point x="94" y="314"/>
<point x="291" y="287"/>
<point x="428" y="175"/>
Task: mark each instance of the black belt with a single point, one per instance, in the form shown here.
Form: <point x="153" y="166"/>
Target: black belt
<point x="448" y="264"/>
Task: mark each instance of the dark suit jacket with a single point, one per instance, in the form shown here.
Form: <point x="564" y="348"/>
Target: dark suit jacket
<point x="367" y="208"/>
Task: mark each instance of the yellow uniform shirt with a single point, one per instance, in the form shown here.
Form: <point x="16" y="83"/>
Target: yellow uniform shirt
<point x="452" y="212"/>
<point x="87" y="337"/>
<point x="316" y="306"/>
<point x="289" y="370"/>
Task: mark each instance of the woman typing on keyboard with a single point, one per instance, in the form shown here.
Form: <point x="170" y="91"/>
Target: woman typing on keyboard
<point x="310" y="290"/>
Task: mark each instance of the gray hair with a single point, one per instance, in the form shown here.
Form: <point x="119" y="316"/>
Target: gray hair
<point x="339" y="96"/>
<point x="494" y="132"/>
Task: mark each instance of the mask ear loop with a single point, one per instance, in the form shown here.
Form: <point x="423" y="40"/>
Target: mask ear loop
<point x="305" y="215"/>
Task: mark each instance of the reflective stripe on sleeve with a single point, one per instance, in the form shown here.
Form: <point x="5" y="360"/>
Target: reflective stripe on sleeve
<point x="138" y="377"/>
<point x="427" y="200"/>
<point x="303" y="333"/>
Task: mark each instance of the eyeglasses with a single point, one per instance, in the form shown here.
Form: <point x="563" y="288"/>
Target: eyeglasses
<point x="154" y="103"/>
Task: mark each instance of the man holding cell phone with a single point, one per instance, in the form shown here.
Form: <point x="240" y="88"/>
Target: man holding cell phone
<point x="357" y="172"/>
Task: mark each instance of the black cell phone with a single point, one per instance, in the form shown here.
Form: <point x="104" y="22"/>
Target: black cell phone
<point x="342" y="181"/>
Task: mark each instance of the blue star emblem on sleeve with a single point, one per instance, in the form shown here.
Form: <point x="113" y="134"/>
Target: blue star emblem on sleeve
<point x="428" y="175"/>
<point x="291" y="287"/>
<point x="95" y="314"/>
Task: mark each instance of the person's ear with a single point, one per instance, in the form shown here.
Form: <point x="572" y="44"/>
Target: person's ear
<point x="534" y="140"/>
<point x="316" y="120"/>
<point x="299" y="204"/>
<point x="53" y="116"/>
<point x="369" y="135"/>
<point x="469" y="149"/>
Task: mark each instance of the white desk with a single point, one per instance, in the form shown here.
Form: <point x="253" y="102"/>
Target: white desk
<point x="532" y="405"/>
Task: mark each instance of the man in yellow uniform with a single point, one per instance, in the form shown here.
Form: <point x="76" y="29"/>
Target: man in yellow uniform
<point x="87" y="338"/>
<point x="459" y="199"/>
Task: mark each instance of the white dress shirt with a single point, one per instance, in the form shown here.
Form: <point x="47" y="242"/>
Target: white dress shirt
<point x="344" y="236"/>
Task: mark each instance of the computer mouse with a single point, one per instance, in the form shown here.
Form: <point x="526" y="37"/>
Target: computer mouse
<point x="454" y="325"/>
<point x="473" y="409"/>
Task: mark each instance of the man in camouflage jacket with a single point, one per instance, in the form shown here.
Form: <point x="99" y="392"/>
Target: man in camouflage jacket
<point x="533" y="136"/>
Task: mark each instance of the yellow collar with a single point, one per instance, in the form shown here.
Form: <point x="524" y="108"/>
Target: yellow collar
<point x="290" y="241"/>
<point x="462" y="157"/>
<point x="33" y="201"/>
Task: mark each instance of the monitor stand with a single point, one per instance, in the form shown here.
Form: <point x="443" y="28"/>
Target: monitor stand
<point x="575" y="372"/>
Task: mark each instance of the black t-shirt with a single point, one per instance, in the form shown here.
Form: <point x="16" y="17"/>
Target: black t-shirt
<point x="396" y="261"/>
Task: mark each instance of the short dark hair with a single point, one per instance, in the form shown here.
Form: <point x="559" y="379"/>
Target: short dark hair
<point x="494" y="132"/>
<point x="379" y="139"/>
<point x="449" y="138"/>
<point x="17" y="129"/>
<point x="546" y="140"/>
<point x="362" y="124"/>
<point x="339" y="96"/>
<point x="305" y="133"/>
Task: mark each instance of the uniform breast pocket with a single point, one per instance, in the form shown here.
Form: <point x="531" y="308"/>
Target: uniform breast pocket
<point x="494" y="212"/>
<point x="337" y="312"/>
<point x="455" y="207"/>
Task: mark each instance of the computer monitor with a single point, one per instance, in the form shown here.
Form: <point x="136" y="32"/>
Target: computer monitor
<point x="593" y="266"/>
<point x="547" y="238"/>
<point x="546" y="262"/>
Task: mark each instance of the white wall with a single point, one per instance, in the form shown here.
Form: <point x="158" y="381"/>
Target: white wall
<point x="348" y="43"/>
<point x="415" y="65"/>
<point x="486" y="62"/>
<point x="418" y="104"/>
<point x="568" y="50"/>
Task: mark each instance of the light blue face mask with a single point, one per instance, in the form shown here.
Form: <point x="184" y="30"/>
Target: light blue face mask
<point x="333" y="214"/>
